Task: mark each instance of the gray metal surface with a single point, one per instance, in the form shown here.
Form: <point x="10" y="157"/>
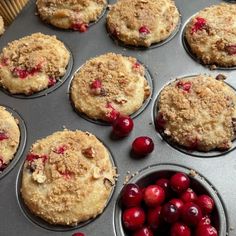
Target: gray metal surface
<point x="47" y="114"/>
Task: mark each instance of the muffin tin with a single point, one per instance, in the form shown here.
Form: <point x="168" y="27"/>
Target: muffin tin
<point x="46" y="114"/>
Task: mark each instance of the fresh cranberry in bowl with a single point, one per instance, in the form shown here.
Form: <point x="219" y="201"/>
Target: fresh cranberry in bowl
<point x="180" y="229"/>
<point x="170" y="213"/>
<point x="154" y="217"/>
<point x="188" y="196"/>
<point x="142" y="146"/>
<point x="179" y="182"/>
<point x="154" y="195"/>
<point x="177" y="202"/>
<point x="206" y="230"/>
<point x="133" y="218"/>
<point x="206" y="203"/>
<point x="145" y="231"/>
<point x="165" y="184"/>
<point x="122" y="126"/>
<point x="131" y="195"/>
<point x="191" y="213"/>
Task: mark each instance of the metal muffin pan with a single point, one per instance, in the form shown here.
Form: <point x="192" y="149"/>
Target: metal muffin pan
<point x="46" y="114"/>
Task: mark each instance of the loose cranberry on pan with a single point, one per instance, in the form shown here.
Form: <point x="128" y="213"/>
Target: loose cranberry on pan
<point x="142" y="146"/>
<point x="133" y="218"/>
<point x="122" y="126"/>
<point x="131" y="195"/>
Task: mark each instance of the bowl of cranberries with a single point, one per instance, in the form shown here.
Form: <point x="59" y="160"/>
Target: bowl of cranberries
<point x="169" y="200"/>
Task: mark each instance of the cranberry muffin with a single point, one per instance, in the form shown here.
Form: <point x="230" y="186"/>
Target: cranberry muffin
<point x="198" y="112"/>
<point x="32" y="63"/>
<point x="67" y="177"/>
<point x="9" y="137"/>
<point x="211" y="35"/>
<point x="109" y="85"/>
<point x="70" y="14"/>
<point x="142" y="22"/>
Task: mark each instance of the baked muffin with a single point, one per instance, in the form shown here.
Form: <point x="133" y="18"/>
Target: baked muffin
<point x="109" y="85"/>
<point x="198" y="113"/>
<point x="32" y="63"/>
<point x="142" y="22"/>
<point x="211" y="35"/>
<point x="1" y="26"/>
<point x="9" y="137"/>
<point x="70" y="14"/>
<point x="67" y="177"/>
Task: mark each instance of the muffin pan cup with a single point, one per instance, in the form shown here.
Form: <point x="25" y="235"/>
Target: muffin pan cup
<point x="46" y="114"/>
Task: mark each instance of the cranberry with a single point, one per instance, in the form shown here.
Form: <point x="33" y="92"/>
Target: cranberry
<point x="112" y="114"/>
<point x="185" y="86"/>
<point x="179" y="182"/>
<point x="3" y="136"/>
<point x="170" y="213"/>
<point x="143" y="30"/>
<point x="31" y="157"/>
<point x="21" y="73"/>
<point x="205" y="221"/>
<point x="177" y="202"/>
<point x="231" y="49"/>
<point x="193" y="144"/>
<point x="131" y="195"/>
<point x="2" y="164"/>
<point x="198" y="25"/>
<point x="60" y="149"/>
<point x="122" y="126"/>
<point x="160" y="121"/>
<point x="191" y="213"/>
<point x="78" y="234"/>
<point x="179" y="229"/>
<point x="165" y="184"/>
<point x="142" y="145"/>
<point x="51" y="81"/>
<point x="188" y="196"/>
<point x="154" y="195"/>
<point x="206" y="203"/>
<point x="136" y="65"/>
<point x="206" y="230"/>
<point x="153" y="217"/>
<point x="145" y="231"/>
<point x="4" y="61"/>
<point x="81" y="27"/>
<point x="133" y="218"/>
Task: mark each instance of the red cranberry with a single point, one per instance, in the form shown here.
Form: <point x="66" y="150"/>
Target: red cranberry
<point x="3" y="136"/>
<point x="78" y="234"/>
<point x="81" y="27"/>
<point x="2" y="164"/>
<point x="231" y="49"/>
<point x="154" y="195"/>
<point x="122" y="126"/>
<point x="206" y="230"/>
<point x="153" y="217"/>
<point x="133" y="218"/>
<point x="165" y="184"/>
<point x="142" y="145"/>
<point x="113" y="114"/>
<point x="145" y="231"/>
<point x="180" y="229"/>
<point x="160" y="121"/>
<point x="191" y="213"/>
<point x="144" y="30"/>
<point x="206" y="203"/>
<point x="188" y="196"/>
<point x="204" y="221"/>
<point x="177" y="202"/>
<point x="179" y="182"/>
<point x="136" y="65"/>
<point x="185" y="86"/>
<point x="199" y="24"/>
<point x="21" y="73"/>
<point x="170" y="213"/>
<point x="51" y="81"/>
<point x="131" y="195"/>
<point x="60" y="149"/>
